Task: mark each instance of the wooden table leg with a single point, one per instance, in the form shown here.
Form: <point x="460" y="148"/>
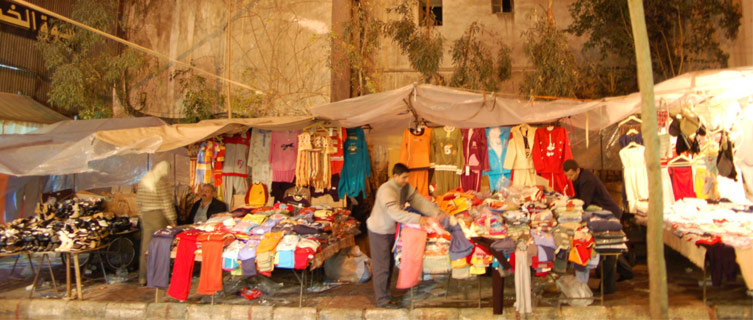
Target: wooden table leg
<point x="67" y="274"/>
<point x="31" y="264"/>
<point x="52" y="275"/>
<point x="36" y="277"/>
<point x="78" y="276"/>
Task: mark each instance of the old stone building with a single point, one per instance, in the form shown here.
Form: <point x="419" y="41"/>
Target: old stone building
<point x="284" y="49"/>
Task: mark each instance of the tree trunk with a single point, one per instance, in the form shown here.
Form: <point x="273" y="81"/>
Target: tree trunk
<point x="657" y="272"/>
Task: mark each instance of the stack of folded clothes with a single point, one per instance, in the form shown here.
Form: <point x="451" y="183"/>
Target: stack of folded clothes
<point x="610" y="241"/>
<point x="603" y="221"/>
<point x="569" y="213"/>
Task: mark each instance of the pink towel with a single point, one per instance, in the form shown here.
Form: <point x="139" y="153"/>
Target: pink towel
<point x="414" y="244"/>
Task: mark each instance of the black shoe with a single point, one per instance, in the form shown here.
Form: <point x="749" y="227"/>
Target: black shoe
<point x="389" y="306"/>
<point x="597" y="292"/>
<point x="621" y="278"/>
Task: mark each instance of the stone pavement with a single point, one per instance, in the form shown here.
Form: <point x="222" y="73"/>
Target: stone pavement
<point x="62" y="309"/>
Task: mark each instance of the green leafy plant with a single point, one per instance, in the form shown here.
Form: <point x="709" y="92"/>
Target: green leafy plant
<point x="423" y="47"/>
<point x="363" y="35"/>
<point x="684" y="35"/>
<point x="86" y="67"/>
<point x="555" y="68"/>
<point x="475" y="66"/>
<point x="198" y="99"/>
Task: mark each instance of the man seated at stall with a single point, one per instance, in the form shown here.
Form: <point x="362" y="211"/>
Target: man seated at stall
<point x="207" y="206"/>
<point x="592" y="191"/>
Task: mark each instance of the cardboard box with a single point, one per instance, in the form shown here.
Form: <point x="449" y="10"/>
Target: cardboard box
<point x="122" y="204"/>
<point x="239" y="200"/>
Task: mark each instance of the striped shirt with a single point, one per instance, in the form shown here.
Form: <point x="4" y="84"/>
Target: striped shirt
<point x="159" y="199"/>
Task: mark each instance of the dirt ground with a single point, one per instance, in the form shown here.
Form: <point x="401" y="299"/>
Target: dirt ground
<point x="283" y="289"/>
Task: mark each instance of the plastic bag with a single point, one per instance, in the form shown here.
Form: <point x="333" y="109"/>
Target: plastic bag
<point x="572" y="288"/>
<point x="349" y="265"/>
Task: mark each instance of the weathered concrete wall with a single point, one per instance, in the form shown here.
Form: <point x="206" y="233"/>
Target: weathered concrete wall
<point x="741" y="51"/>
<point x="457" y="17"/>
<point x="278" y="46"/>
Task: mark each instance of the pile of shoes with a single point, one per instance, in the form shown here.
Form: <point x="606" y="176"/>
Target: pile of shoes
<point x="64" y="226"/>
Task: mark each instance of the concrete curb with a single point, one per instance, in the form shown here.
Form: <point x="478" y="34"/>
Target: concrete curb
<point x="97" y="310"/>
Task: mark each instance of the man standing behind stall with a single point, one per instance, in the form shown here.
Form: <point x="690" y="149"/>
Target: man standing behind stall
<point x="592" y="191"/>
<point x="155" y="204"/>
<point x="203" y="209"/>
<point x="387" y="212"/>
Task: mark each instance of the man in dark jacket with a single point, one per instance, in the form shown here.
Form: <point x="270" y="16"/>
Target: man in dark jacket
<point x="591" y="190"/>
<point x="207" y="206"/>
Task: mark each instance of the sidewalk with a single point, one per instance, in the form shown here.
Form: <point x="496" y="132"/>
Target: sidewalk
<point x="61" y="309"/>
<point x="354" y="301"/>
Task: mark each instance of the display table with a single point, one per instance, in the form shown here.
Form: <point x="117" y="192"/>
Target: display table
<point x="74" y="254"/>
<point x="686" y="246"/>
<point x="328" y="251"/>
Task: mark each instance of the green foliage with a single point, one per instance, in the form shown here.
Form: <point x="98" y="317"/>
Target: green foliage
<point x="246" y="103"/>
<point x="363" y="34"/>
<point x="555" y="70"/>
<point x="86" y="67"/>
<point x="198" y="99"/>
<point x="423" y="47"/>
<point x="475" y="67"/>
<point x="684" y="35"/>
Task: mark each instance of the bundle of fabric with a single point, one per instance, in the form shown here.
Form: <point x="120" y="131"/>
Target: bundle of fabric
<point x="604" y="220"/>
<point x="610" y="241"/>
<point x="437" y="250"/>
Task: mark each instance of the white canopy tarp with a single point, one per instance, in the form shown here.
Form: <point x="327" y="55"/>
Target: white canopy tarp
<point x="389" y="112"/>
<point x="66" y="147"/>
<point x="170" y="137"/>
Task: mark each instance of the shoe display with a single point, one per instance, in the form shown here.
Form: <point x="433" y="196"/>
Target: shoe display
<point x="62" y="226"/>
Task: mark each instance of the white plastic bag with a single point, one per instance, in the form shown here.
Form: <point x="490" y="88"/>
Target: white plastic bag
<point x="572" y="288"/>
<point x="349" y="265"/>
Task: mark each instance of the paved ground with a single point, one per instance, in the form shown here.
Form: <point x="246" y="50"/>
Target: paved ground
<point x="283" y="290"/>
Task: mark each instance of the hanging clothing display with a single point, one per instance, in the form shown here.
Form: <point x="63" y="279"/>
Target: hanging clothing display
<point x="634" y="173"/>
<point x="414" y="153"/>
<point x="497" y="139"/>
<point x="682" y="182"/>
<point x="258" y="156"/>
<point x="217" y="165"/>
<point x="551" y="147"/>
<point x="282" y="157"/>
<point x="522" y="279"/>
<point x="519" y="157"/>
<point x="336" y="155"/>
<point x="313" y="165"/>
<point x="447" y="158"/>
<point x="235" y="167"/>
<point x="476" y="158"/>
<point x="357" y="164"/>
<point x="180" y="282"/>
<point x="257" y="195"/>
<point x="205" y="161"/>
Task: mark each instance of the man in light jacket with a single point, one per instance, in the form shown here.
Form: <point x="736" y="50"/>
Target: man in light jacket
<point x="387" y="212"/>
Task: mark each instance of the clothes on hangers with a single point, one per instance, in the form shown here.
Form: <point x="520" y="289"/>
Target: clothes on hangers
<point x="235" y="168"/>
<point x="476" y="158"/>
<point x="283" y="156"/>
<point x="551" y="147"/>
<point x="498" y="139"/>
<point x="357" y="164"/>
<point x="635" y="176"/>
<point x="414" y="153"/>
<point x="447" y="158"/>
<point x="258" y="156"/>
<point x="519" y="157"/>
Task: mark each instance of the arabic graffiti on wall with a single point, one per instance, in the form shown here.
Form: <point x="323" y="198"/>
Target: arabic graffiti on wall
<point x="25" y="22"/>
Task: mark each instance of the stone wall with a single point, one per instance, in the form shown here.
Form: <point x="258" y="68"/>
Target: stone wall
<point x="457" y="17"/>
<point x="280" y="47"/>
